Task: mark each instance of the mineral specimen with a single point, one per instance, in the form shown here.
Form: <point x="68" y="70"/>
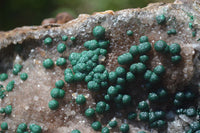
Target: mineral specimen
<point x="124" y="71"/>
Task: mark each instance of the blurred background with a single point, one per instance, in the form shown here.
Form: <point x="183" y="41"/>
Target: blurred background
<point x="16" y="13"/>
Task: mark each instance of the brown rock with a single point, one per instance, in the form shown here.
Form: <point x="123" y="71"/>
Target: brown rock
<point x="63" y="17"/>
<point x="48" y="21"/>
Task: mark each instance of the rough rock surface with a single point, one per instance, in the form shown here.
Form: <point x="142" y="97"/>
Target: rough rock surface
<point x="30" y="98"/>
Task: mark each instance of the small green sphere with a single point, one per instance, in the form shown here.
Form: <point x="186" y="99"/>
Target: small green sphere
<point x="176" y="58"/>
<point x="144" y="116"/>
<point x="180" y="111"/>
<point x="153" y="97"/>
<point x="195" y="126"/>
<point x="126" y="99"/>
<point x="112" y="77"/>
<point x="112" y="123"/>
<point x="93" y="86"/>
<point x="91" y="44"/>
<point x="61" y="61"/>
<point x="180" y="96"/>
<point x="89" y="112"/>
<point x="8" y="109"/>
<point x="69" y="78"/>
<point x="144" y="39"/>
<point x="3" y="76"/>
<point x="4" y="126"/>
<point x="61" y="47"/>
<point x="107" y="97"/>
<point x="124" y="128"/>
<point x="23" y="76"/>
<point x="159" y="114"/>
<point x="189" y="95"/>
<point x="190" y="25"/>
<point x="75" y="131"/>
<point x="112" y="91"/>
<point x="174" y="49"/>
<point x="129" y="32"/>
<point x="147" y="75"/>
<point x="194" y="33"/>
<point x="48" y="63"/>
<point x="103" y="44"/>
<point x="105" y="130"/>
<point x="48" y="40"/>
<point x="19" y="131"/>
<point x="121" y="72"/>
<point x="17" y="68"/>
<point x="73" y="38"/>
<point x="2" y="110"/>
<point x="103" y="52"/>
<point x="64" y="38"/>
<point x="80" y="99"/>
<point x="141" y="68"/>
<point x="152" y="117"/>
<point x="61" y="93"/>
<point x="118" y="99"/>
<point x="143" y="106"/>
<point x="141" y="132"/>
<point x="191" y="112"/>
<point x="53" y="104"/>
<point x="59" y="84"/>
<point x="121" y="81"/>
<point x="177" y="102"/>
<point x="132" y="115"/>
<point x="143" y="48"/>
<point x="99" y="32"/>
<point x="161" y="19"/>
<point x="134" y="50"/>
<point x="143" y="58"/>
<point x="96" y="125"/>
<point x="99" y="69"/>
<point x="10" y="85"/>
<point x="125" y="59"/>
<point x="160" y="46"/>
<point x="154" y="78"/>
<point x="172" y="31"/>
<point x="22" y="127"/>
<point x="162" y="93"/>
<point x="160" y="123"/>
<point x="159" y="70"/>
<point x="133" y="68"/>
<point x="55" y="93"/>
<point x="130" y="77"/>
<point x="35" y="128"/>
<point x="100" y="107"/>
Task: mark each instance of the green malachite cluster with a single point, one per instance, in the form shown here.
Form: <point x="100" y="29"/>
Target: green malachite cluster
<point x="10" y="85"/>
<point x="194" y="127"/>
<point x="86" y="67"/>
<point x="171" y="32"/>
<point x="2" y="92"/>
<point x="4" y="126"/>
<point x="48" y="40"/>
<point x="161" y="19"/>
<point x="48" y="63"/>
<point x="17" y="68"/>
<point x="22" y="128"/>
<point x="173" y="49"/>
<point x="7" y="110"/>
<point x="35" y="128"/>
<point x="23" y="76"/>
<point x="3" y="76"/>
<point x="114" y="86"/>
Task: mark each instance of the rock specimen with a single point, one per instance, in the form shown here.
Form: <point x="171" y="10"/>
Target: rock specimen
<point x="126" y="71"/>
